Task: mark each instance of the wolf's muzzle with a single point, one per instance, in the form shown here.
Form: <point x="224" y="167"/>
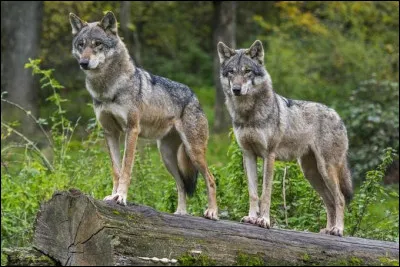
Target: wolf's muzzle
<point x="84" y="63"/>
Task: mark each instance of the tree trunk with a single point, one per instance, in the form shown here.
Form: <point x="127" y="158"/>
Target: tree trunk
<point x="131" y="37"/>
<point x="74" y="229"/>
<point x="20" y="39"/>
<point x="224" y="31"/>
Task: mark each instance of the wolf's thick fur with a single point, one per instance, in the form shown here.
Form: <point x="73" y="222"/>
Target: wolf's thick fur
<point x="273" y="127"/>
<point x="130" y="100"/>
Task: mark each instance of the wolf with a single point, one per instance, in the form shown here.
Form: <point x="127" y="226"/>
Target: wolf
<point x="271" y="126"/>
<point x="129" y="100"/>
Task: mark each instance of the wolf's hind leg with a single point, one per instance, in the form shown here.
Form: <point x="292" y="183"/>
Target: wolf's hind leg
<point x="168" y="147"/>
<point x="309" y="166"/>
<point x="193" y="129"/>
<point x="338" y="227"/>
<point x="330" y="175"/>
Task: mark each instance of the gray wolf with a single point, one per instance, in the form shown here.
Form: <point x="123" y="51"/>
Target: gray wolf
<point x="271" y="126"/>
<point x="129" y="100"/>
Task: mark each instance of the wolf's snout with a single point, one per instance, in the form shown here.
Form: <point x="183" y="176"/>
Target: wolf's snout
<point x="84" y="63"/>
<point x="236" y="90"/>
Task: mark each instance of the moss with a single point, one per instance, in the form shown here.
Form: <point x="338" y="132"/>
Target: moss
<point x="388" y="262"/>
<point x="177" y="239"/>
<point x="306" y="257"/>
<point x="136" y="218"/>
<point x="244" y="259"/>
<point x="352" y="261"/>
<point x="189" y="259"/>
<point x="25" y="256"/>
<point x="116" y="212"/>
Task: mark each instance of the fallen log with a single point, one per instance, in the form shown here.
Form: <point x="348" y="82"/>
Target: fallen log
<point x="75" y="229"/>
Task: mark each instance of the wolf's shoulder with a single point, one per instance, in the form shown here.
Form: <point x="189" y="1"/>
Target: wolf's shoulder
<point x="168" y="84"/>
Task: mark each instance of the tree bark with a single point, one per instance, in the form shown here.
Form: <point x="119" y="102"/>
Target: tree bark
<point x="20" y="39"/>
<point x="224" y="31"/>
<point x="75" y="229"/>
<point x="131" y="37"/>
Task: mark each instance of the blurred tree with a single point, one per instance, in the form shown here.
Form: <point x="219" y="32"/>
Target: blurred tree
<point x="224" y="31"/>
<point x="20" y="38"/>
<point x="130" y="32"/>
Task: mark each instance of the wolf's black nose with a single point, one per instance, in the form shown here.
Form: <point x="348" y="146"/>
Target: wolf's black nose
<point x="236" y="91"/>
<point x="84" y="63"/>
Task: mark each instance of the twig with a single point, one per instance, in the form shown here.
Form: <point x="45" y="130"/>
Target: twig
<point x="284" y="195"/>
<point x="47" y="163"/>
<point x="31" y="116"/>
<point x="5" y="166"/>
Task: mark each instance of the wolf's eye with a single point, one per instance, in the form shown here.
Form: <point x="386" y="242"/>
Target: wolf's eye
<point x="230" y="71"/>
<point x="247" y="71"/>
<point x="80" y="44"/>
<point x="98" y="43"/>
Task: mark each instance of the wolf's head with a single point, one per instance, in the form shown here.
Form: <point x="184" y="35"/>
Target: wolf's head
<point x="94" y="43"/>
<point x="242" y="71"/>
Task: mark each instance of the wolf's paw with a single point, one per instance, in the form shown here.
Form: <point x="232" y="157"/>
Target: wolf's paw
<point x="263" y="222"/>
<point x="119" y="198"/>
<point x="324" y="231"/>
<point x="180" y="212"/>
<point x="211" y="214"/>
<point x="249" y="219"/>
<point x="336" y="231"/>
<point x="332" y="231"/>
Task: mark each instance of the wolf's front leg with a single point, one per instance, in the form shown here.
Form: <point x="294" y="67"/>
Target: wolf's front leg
<point x="268" y="174"/>
<point x="131" y="137"/>
<point x="250" y="166"/>
<point x="127" y="164"/>
<point x="112" y="140"/>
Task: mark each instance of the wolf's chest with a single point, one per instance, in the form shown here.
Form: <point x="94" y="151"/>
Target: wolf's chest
<point x="112" y="116"/>
<point x="253" y="139"/>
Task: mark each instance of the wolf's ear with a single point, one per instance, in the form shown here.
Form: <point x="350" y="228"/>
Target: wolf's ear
<point x="224" y="52"/>
<point x="256" y="52"/>
<point x="109" y="22"/>
<point x="76" y="23"/>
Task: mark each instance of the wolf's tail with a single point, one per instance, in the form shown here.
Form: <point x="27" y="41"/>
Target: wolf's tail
<point x="187" y="171"/>
<point x="346" y="184"/>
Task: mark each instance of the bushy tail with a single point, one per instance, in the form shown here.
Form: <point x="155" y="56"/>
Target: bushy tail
<point x="187" y="171"/>
<point x="346" y="184"/>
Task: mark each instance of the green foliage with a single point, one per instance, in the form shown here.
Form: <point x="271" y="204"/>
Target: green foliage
<point x="371" y="117"/>
<point x="321" y="50"/>
<point x="196" y="260"/>
<point x="243" y="259"/>
<point x="362" y="220"/>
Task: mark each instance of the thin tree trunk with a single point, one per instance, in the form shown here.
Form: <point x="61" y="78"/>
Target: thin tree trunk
<point x="225" y="31"/>
<point x="20" y="39"/>
<point x="131" y="37"/>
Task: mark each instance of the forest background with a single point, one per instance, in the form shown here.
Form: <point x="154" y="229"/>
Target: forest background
<point x="342" y="54"/>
